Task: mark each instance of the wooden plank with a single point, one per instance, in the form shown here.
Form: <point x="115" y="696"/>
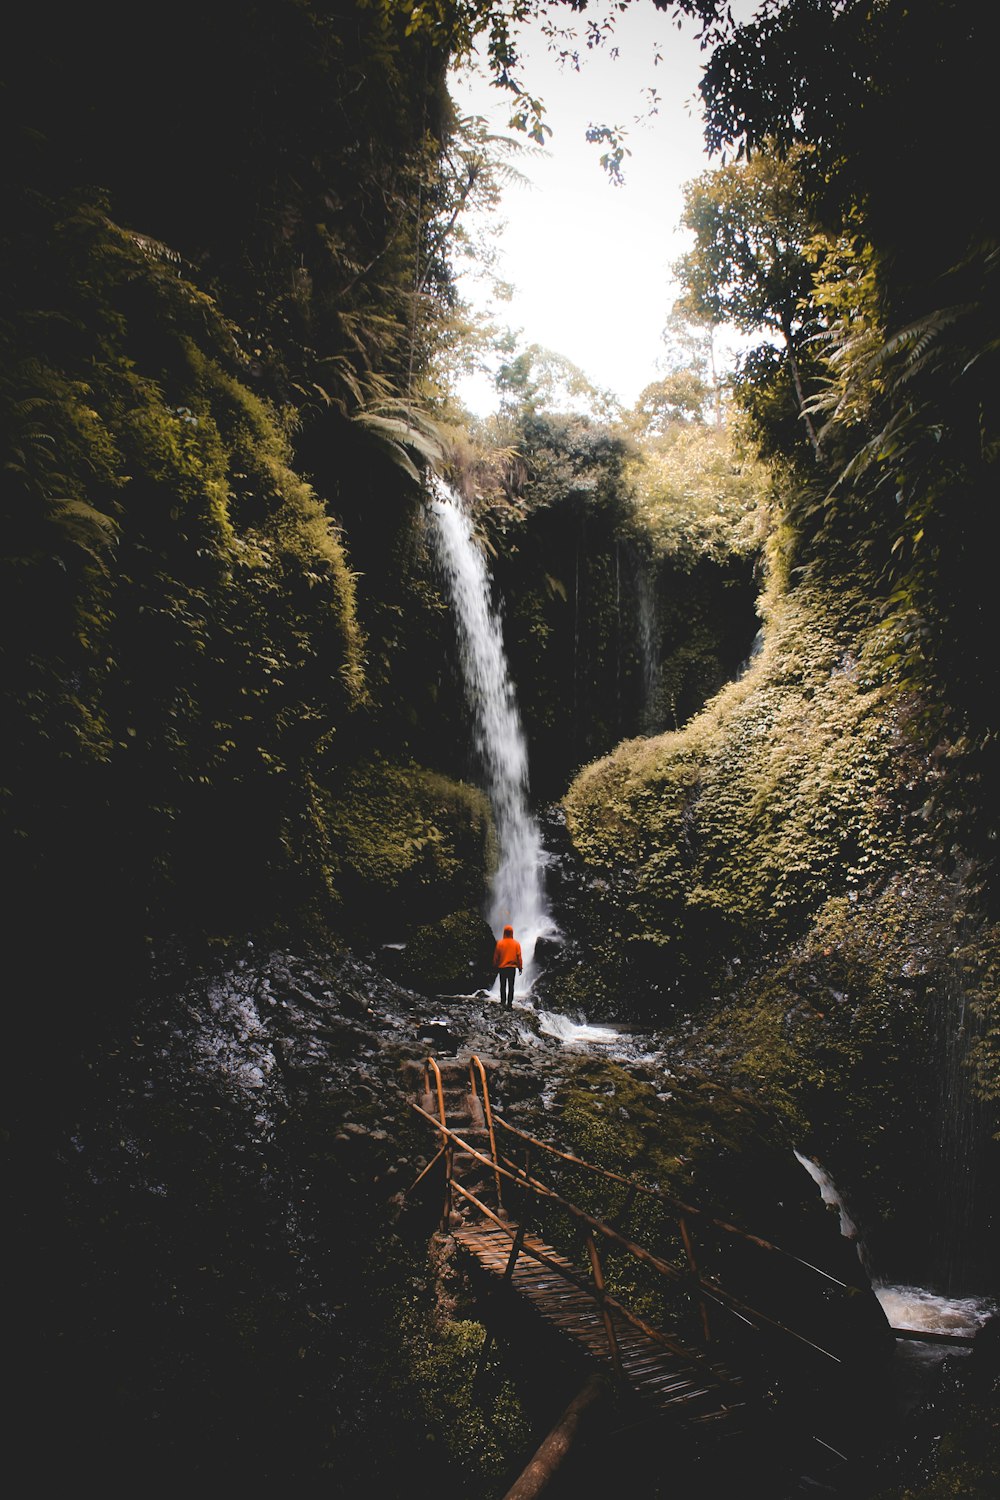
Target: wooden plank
<point x="651" y="1364"/>
<point x="684" y="1396"/>
<point x="655" y="1375"/>
<point x="924" y="1336"/>
<point x="672" y="1380"/>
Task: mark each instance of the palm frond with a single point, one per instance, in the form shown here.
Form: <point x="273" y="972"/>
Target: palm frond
<point x="408" y="438"/>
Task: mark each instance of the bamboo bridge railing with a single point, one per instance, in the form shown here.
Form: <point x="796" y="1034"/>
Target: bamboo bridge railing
<point x="680" y="1375"/>
<point x="705" y="1292"/>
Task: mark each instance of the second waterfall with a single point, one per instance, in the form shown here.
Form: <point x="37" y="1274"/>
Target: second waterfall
<point x="517" y="893"/>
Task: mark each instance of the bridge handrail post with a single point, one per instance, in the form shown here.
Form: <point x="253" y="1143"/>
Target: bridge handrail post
<point x="449" y="1197"/>
<point x="682" y="1225"/>
<point x="447" y="1146"/>
<point x="474" y="1061"/>
<point x="431" y="1062"/>
<point x="609" y="1327"/>
<point x="708" y="1289"/>
<point x="676" y="1204"/>
<point x="515" y="1251"/>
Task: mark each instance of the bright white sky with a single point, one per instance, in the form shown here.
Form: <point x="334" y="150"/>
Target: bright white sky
<point x="590" y="262"/>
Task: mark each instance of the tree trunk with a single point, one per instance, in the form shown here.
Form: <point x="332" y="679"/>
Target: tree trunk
<point x="793" y="365"/>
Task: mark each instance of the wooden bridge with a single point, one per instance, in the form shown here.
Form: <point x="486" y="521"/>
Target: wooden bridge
<point x="670" y="1360"/>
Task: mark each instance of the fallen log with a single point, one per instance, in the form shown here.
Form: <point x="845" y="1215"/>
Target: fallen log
<point x="550" y="1455"/>
<point x="925" y="1336"/>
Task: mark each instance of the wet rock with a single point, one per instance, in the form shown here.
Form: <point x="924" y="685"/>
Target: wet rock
<point x="335" y="1137"/>
<point x="438" y="1035"/>
<point x="547" y="948"/>
<point x="392" y="960"/>
<point x="984" y="1361"/>
<point x="354" y="1004"/>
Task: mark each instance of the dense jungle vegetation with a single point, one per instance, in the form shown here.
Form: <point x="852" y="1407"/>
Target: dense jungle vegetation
<point x="229" y="333"/>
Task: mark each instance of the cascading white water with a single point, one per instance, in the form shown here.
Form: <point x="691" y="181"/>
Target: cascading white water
<point x="832" y="1199"/>
<point x="911" y="1307"/>
<point x="517" y="894"/>
<point x="576" y="1033"/>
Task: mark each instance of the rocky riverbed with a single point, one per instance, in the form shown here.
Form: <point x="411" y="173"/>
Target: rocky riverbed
<point x="227" y="1276"/>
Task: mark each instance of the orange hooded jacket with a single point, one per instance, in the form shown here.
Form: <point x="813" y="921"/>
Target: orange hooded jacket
<point x="507" y="952"/>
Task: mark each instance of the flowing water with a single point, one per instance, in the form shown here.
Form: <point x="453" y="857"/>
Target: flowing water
<point x="517" y="893"/>
<point x="830" y="1196"/>
<point x="930" y="1312"/>
<point x="918" y="1361"/>
<point x="916" y="1308"/>
<point x="518" y="896"/>
<point x="578" y="1033"/>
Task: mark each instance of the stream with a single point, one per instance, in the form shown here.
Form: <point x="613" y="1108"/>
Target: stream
<point x="920" y="1309"/>
<point x="248" y="1142"/>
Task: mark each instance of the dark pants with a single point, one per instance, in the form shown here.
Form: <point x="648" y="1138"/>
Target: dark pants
<point x="507" y="987"/>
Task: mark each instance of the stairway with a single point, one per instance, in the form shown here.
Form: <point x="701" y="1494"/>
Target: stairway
<point x="464" y="1115"/>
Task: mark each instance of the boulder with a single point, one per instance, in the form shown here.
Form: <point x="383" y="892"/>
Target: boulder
<point x="453" y="956"/>
<point x="547" y="948"/>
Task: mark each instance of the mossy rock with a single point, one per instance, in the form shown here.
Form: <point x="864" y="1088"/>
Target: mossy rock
<point x="450" y="956"/>
<point x="407" y="845"/>
<point x="799" y="783"/>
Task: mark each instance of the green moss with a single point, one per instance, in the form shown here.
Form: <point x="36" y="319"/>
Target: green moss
<point x="595" y="591"/>
<point x="619" y="1121"/>
<point x="185" y="610"/>
<point x="792" y="787"/>
<point x="407" y="844"/>
<point x="849" y="1009"/>
<point x="480" y="1437"/>
<point x="785" y="869"/>
<point x="453" y="955"/>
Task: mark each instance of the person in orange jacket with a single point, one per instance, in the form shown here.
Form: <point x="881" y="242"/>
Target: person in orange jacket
<point x="507" y="958"/>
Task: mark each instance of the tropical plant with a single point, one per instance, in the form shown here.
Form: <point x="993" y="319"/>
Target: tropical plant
<point x="749" y="267"/>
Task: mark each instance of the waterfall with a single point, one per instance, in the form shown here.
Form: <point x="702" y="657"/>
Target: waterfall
<point x="517" y="895"/>
<point x="756" y="647"/>
<point x="914" y="1307"/>
<point x="832" y="1199"/>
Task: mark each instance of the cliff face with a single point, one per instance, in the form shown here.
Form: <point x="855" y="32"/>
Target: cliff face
<point x="194" y="334"/>
<point x="612" y="626"/>
<point x="784" y="870"/>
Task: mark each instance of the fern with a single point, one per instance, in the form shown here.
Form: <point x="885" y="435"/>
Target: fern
<point x="85" y="526"/>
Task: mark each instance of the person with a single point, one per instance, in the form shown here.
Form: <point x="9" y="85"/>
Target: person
<point x="507" y="958"/>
